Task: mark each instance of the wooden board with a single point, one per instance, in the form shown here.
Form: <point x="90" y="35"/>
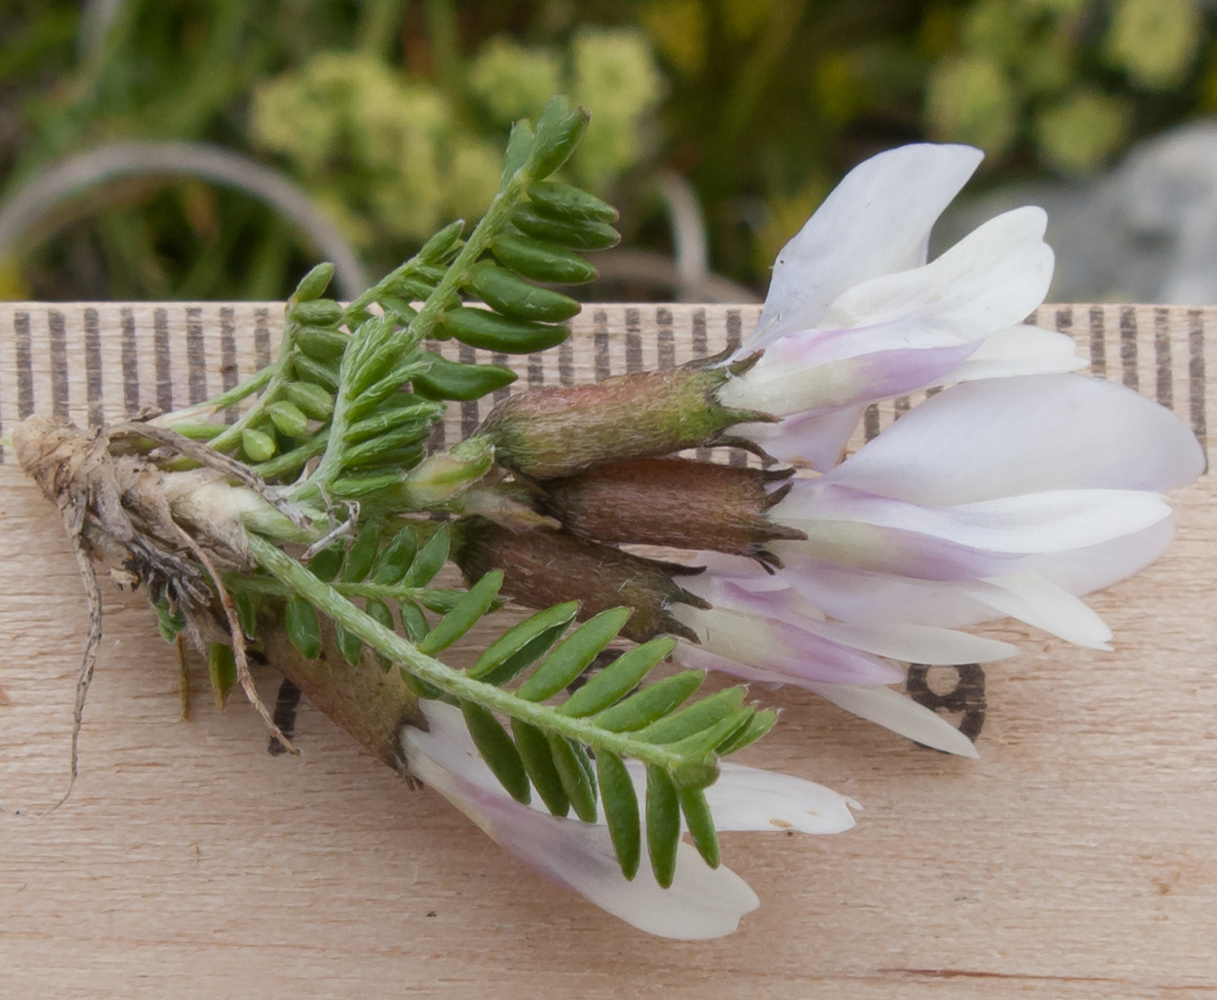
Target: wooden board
<point x="1077" y="858"/>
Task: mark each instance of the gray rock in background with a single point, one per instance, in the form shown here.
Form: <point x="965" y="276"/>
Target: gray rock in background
<point x="1145" y="232"/>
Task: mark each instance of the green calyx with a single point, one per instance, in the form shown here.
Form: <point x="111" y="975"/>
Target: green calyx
<point x="559" y="431"/>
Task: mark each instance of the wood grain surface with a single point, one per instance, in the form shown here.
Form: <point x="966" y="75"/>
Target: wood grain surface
<point x="1076" y="858"/>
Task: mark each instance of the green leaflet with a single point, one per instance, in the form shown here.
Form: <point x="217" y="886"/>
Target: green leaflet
<point x="288" y="417"/>
<point x="618" y="679"/>
<point x="357" y="486"/>
<point x="519" y="146"/>
<point x="361" y="555"/>
<point x="396" y="557"/>
<point x="541" y="261"/>
<point x="319" y="312"/>
<point x="492" y="332"/>
<point x="582" y="234"/>
<point x="650" y="703"/>
<point x="558" y="130"/>
<point x="311" y="400"/>
<point x="520" y="645"/>
<point x="221" y="671"/>
<point x="414" y="622"/>
<point x="663" y="825"/>
<point x="575" y="772"/>
<point x="620" y="811"/>
<point x="697" y="717"/>
<point x="391" y="416"/>
<point x="497" y="749"/>
<point x="313" y="284"/>
<point x="452" y="380"/>
<point x="311" y="371"/>
<point x="259" y="446"/>
<point x="468" y="611"/>
<point x="247" y="613"/>
<point x="319" y="343"/>
<point x="513" y="296"/>
<point x="564" y="201"/>
<point x="760" y="723"/>
<point x="380" y="612"/>
<point x="169" y="622"/>
<point x="701" y="824"/>
<point x="706" y="741"/>
<point x="430" y="559"/>
<point x="303" y="629"/>
<point x="349" y="645"/>
<point x="538" y="760"/>
<point x="326" y="563"/>
<point x="571" y="658"/>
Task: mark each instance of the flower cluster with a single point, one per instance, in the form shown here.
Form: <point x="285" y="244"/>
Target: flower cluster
<point x="1008" y="493"/>
<point x="1017" y="486"/>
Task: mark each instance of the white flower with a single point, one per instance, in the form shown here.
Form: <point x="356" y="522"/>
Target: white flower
<point x="701" y="903"/>
<point x="1010" y="493"/>
<point x="991" y="499"/>
<point x="855" y="314"/>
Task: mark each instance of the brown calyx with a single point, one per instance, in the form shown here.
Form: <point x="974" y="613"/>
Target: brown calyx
<point x="674" y="503"/>
<point x="542" y="568"/>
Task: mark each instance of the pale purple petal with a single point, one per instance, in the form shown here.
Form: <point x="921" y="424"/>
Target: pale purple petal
<point x="895" y="711"/>
<point x="744" y="798"/>
<point x="912" y="643"/>
<point x="814" y="439"/>
<point x="893" y="550"/>
<point x="780" y="650"/>
<point x="794" y="376"/>
<point x="993" y="278"/>
<point x="748" y="799"/>
<point x="1100" y="566"/>
<point x="876" y="221"/>
<point x="981" y="440"/>
<point x="893" y="640"/>
<point x="1019" y="350"/>
<point x="1048" y="521"/>
<point x="702" y="902"/>
<point x="857" y="596"/>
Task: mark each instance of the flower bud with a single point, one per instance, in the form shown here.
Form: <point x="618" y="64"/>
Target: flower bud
<point x="542" y="568"/>
<point x="442" y="476"/>
<point x="673" y="502"/>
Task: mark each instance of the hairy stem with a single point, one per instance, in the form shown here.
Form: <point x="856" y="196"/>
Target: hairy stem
<point x="326" y="599"/>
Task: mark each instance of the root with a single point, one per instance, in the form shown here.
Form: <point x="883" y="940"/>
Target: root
<point x="74" y="519"/>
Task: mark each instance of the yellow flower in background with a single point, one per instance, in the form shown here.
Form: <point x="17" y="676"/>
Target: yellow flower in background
<point x="1155" y="40"/>
<point x="1081" y="132"/>
<point x="972" y="100"/>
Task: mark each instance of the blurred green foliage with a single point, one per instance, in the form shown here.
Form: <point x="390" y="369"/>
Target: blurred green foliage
<point x="392" y="114"/>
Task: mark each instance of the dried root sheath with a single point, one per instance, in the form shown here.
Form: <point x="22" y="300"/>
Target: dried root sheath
<point x="369" y="702"/>
<point x="115" y="511"/>
<point x="211" y="459"/>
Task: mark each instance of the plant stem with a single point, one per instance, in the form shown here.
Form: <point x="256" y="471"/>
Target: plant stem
<point x="422" y="325"/>
<point x="220" y="402"/>
<point x="326" y="599"/>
